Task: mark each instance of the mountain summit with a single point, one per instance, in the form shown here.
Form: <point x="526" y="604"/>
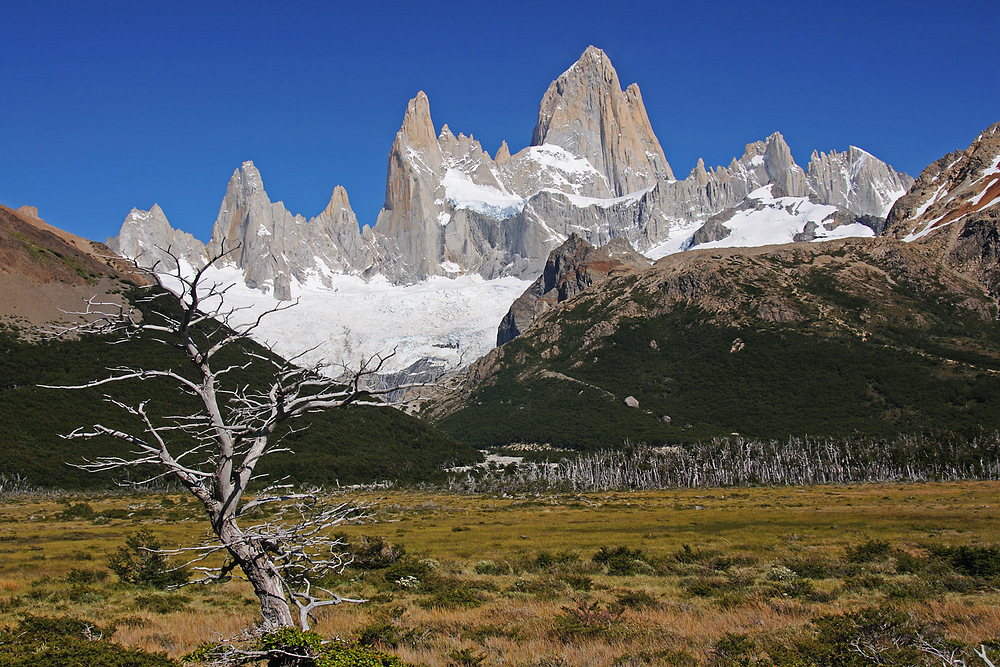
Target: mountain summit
<point x="585" y="112"/>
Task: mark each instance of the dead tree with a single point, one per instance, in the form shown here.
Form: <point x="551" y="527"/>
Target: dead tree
<point x="214" y="451"/>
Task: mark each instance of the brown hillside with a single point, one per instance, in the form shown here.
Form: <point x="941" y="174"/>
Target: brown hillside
<point x="45" y="271"/>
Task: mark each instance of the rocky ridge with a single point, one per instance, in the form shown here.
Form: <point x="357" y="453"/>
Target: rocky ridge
<point x="571" y="268"/>
<point x="47" y="274"/>
<point x="594" y="168"/>
<point x="953" y="210"/>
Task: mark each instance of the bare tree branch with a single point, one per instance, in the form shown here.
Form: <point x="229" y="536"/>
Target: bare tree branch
<point x="215" y="449"/>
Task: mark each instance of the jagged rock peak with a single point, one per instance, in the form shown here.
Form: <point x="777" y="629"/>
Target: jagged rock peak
<point x="339" y="198"/>
<point x="148" y="238"/>
<point x="856" y="180"/>
<point x="956" y="193"/>
<point x="586" y="112"/>
<point x="503" y="154"/>
<point x="788" y="177"/>
<point x="417" y="130"/>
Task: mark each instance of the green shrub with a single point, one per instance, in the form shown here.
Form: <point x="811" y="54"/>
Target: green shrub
<point x="872" y="550"/>
<point x="374" y="553"/>
<point x="623" y="561"/>
<point x="545" y="560"/>
<point x="334" y="654"/>
<point x="809" y="567"/>
<point x="735" y="649"/>
<point x="466" y="657"/>
<point x="634" y="600"/>
<point x="140" y="562"/>
<point x="491" y="568"/>
<point x="587" y="620"/>
<point x="970" y="560"/>
<point x="85" y="577"/>
<point x="60" y="642"/>
<point x="78" y="511"/>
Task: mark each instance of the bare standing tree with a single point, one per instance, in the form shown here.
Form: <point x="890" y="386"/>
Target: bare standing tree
<point x="214" y="451"/>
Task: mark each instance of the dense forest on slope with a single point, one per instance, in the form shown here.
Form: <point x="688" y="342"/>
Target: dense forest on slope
<point x="849" y="352"/>
<point x="352" y="445"/>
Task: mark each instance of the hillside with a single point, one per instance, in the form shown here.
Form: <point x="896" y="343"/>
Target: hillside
<point x="46" y="272"/>
<point x="830" y="339"/>
<point x="346" y="446"/>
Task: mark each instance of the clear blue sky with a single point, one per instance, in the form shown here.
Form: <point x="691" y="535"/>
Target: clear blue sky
<point x="107" y="105"/>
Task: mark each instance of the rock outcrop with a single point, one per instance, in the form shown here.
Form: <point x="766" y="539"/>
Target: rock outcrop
<point x="571" y="268"/>
<point x="272" y="246"/>
<point x="953" y="210"/>
<point x="856" y="181"/>
<point x="148" y="238"/>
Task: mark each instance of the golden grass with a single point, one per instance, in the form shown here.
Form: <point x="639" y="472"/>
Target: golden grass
<point x="38" y="550"/>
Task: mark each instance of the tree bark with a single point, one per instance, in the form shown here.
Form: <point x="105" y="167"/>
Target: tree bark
<point x="261" y="574"/>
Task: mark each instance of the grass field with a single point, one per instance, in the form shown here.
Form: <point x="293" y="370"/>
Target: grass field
<point x="719" y="576"/>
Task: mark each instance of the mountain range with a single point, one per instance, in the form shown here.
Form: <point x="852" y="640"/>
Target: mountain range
<point x="594" y="169"/>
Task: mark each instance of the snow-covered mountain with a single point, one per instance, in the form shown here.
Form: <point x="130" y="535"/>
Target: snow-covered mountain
<point x="594" y="168"/>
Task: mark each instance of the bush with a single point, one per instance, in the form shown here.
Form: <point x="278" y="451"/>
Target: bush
<point x="84" y="577"/>
<point x="809" y="567"/>
<point x="491" y="568"/>
<point x="872" y="550"/>
<point x="972" y="561"/>
<point x="78" y="511"/>
<point x="634" y="600"/>
<point x="586" y="620"/>
<point x="623" y="561"/>
<point x="140" y="562"/>
<point x="289" y="647"/>
<point x="57" y="642"/>
<point x="374" y="553"/>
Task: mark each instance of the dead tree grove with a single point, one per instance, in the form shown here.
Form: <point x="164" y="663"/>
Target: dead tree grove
<point x="214" y="451"/>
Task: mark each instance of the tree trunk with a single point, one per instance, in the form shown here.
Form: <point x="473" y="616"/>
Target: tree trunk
<point x="260" y="573"/>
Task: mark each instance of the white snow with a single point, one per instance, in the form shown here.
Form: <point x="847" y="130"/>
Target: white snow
<point x="995" y="169"/>
<point x="551" y="156"/>
<point x="583" y="202"/>
<point x="938" y="194"/>
<point x="451" y="320"/>
<point x="777" y="222"/>
<point x="927" y="229"/>
<point x="487" y="200"/>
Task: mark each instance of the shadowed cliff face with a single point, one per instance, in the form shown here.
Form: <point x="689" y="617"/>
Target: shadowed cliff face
<point x="571" y="268"/>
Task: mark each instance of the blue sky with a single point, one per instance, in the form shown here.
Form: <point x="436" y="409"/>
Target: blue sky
<point x="109" y="105"/>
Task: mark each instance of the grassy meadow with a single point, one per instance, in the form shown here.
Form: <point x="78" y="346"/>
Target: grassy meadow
<point x="728" y="576"/>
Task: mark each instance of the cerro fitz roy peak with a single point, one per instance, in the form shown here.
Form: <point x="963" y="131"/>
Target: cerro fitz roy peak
<point x="594" y="168"/>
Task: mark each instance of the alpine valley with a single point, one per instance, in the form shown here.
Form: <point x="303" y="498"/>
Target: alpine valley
<point x="582" y="296"/>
